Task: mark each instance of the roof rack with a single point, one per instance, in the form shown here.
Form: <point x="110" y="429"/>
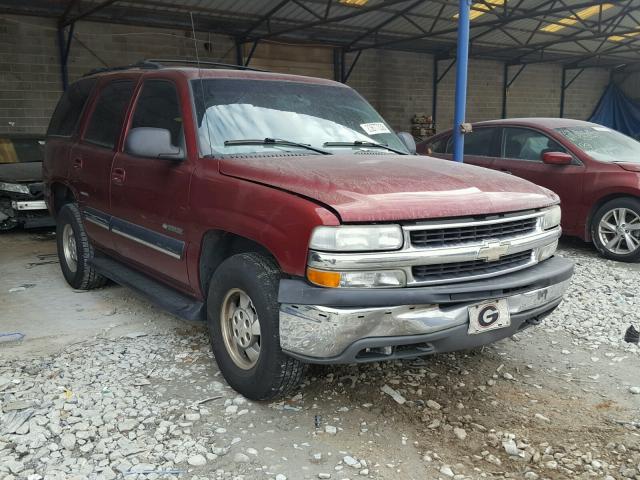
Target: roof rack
<point x="158" y="63"/>
<point x="205" y="64"/>
<point x="144" y="64"/>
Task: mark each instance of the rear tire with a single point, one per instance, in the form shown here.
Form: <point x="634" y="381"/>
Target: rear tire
<point x="75" y="250"/>
<point x="615" y="229"/>
<point x="243" y="319"/>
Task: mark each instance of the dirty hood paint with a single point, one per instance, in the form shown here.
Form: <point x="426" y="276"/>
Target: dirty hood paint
<point x="369" y="187"/>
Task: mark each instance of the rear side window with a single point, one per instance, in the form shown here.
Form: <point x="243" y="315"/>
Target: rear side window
<point x="66" y="116"/>
<point x="105" y="124"/>
<point x="481" y="143"/>
<point x="21" y="150"/>
<point x="158" y="107"/>
<point x="440" y="145"/>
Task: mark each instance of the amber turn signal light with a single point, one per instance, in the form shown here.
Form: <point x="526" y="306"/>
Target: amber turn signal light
<point x="323" y="278"/>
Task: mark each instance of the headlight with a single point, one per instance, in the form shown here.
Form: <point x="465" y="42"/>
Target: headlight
<point x="14" y="187"/>
<point x="356" y="238"/>
<point x="547" y="251"/>
<point x="377" y="279"/>
<point x="551" y="217"/>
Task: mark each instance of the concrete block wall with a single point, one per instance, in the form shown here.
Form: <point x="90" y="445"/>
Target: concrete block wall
<point x="582" y="96"/>
<point x="630" y="85"/>
<point x="398" y="84"/>
<point x="484" y="92"/>
<point x="536" y="91"/>
<point x="30" y="82"/>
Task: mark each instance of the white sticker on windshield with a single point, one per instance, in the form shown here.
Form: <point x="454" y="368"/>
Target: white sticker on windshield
<point x="374" y="128"/>
<point x="601" y="129"/>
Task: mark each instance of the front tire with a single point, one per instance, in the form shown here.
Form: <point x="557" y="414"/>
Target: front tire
<point x="615" y="230"/>
<point x="243" y="319"/>
<point x="75" y="250"/>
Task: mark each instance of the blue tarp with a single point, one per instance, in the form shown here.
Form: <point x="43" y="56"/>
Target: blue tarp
<point x="617" y="111"/>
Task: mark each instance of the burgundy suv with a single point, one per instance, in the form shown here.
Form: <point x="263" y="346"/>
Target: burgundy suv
<point x="594" y="170"/>
<point x="285" y="212"/>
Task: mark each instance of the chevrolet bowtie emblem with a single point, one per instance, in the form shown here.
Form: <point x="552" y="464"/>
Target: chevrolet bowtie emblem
<point x="492" y="250"/>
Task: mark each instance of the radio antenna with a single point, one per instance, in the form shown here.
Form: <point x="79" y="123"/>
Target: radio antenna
<point x="195" y="40"/>
<point x="204" y="106"/>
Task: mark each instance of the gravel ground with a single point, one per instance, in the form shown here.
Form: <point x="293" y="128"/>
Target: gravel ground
<point x="140" y="396"/>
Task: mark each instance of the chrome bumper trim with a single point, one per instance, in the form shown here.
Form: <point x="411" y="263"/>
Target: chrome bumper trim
<point x="29" y="205"/>
<point x="325" y="332"/>
<point x="410" y="256"/>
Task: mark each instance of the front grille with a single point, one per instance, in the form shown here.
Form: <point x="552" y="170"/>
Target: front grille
<point x="460" y="270"/>
<point x="442" y="237"/>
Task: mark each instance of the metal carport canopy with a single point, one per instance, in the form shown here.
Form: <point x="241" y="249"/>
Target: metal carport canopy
<point x="573" y="32"/>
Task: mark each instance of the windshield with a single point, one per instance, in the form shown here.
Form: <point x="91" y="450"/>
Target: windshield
<point x="310" y="114"/>
<point x="602" y="143"/>
<point x="21" y="150"/>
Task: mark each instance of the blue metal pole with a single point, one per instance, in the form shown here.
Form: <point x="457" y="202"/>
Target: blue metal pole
<point x="462" y="58"/>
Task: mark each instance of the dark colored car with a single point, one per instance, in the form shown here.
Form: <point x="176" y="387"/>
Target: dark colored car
<point x="21" y="187"/>
<point x="594" y="170"/>
<point x="285" y="212"/>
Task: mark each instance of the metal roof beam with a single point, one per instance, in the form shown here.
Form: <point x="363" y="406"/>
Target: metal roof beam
<point x="576" y="36"/>
<point x="488" y="23"/>
<point x="384" y="23"/>
<point x="305" y="26"/>
<point x="307" y="9"/>
<point x="67" y="10"/>
<point x="413" y="22"/>
<point x="265" y="17"/>
<point x="86" y="13"/>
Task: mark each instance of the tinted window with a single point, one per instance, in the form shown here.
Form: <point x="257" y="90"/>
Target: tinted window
<point x="525" y="144"/>
<point x="21" y="150"/>
<point x="106" y="121"/>
<point x="440" y="145"/>
<point x="480" y="142"/>
<point x="158" y="107"/>
<point x="67" y="113"/>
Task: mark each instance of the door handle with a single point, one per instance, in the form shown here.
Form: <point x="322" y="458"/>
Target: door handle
<point x="118" y="176"/>
<point x="77" y="163"/>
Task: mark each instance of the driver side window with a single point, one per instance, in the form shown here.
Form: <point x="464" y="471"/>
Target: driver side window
<point x="158" y="107"/>
<point x="526" y="144"/>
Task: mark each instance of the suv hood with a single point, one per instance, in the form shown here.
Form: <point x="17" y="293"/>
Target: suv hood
<point x="370" y="187"/>
<point x="21" y="172"/>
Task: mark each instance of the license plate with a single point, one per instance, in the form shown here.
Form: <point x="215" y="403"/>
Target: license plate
<point x="489" y="315"/>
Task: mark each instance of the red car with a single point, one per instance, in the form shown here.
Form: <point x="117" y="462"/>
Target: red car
<point x="286" y="213"/>
<point x="594" y="170"/>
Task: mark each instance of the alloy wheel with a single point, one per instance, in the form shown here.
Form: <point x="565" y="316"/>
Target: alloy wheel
<point x="70" y="248"/>
<point x="619" y="231"/>
<point x="240" y="328"/>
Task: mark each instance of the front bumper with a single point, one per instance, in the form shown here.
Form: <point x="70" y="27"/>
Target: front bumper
<point x="336" y="328"/>
<point x="22" y="205"/>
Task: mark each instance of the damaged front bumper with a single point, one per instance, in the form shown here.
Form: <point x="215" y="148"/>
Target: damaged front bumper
<point x="23" y="204"/>
<point x="319" y="325"/>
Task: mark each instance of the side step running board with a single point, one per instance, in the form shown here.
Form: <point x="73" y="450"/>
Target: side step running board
<point x="158" y="293"/>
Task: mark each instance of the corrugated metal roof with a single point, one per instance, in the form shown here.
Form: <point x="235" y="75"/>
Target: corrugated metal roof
<point x="519" y="30"/>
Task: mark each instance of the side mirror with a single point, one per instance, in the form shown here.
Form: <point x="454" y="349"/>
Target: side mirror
<point x="557" y="158"/>
<point x="408" y="141"/>
<point x="152" y="143"/>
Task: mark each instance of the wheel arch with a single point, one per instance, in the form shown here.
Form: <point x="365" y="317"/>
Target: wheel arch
<point x="599" y="203"/>
<point x="61" y="194"/>
<point x="217" y="246"/>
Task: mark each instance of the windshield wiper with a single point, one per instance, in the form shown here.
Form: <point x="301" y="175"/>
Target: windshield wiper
<point x="359" y="143"/>
<point x="274" y="141"/>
